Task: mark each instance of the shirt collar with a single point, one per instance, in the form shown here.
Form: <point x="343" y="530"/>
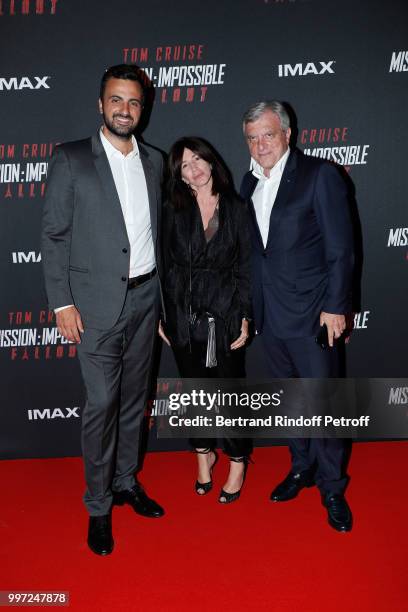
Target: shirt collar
<point x="275" y="172"/>
<point x="111" y="151"/>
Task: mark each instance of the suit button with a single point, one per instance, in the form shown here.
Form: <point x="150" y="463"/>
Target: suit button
<point x="124" y="279"/>
<point x="124" y="250"/>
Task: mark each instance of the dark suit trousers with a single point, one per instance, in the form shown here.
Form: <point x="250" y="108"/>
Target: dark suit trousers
<point x="303" y="358"/>
<point x="192" y="365"/>
<point x="116" y="365"/>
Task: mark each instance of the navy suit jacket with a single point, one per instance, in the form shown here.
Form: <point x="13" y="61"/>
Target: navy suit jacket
<point x="307" y="264"/>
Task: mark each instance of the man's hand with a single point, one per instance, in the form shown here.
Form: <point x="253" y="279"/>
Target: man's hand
<point x="349" y="326"/>
<point x="69" y="324"/>
<point x="336" y="324"/>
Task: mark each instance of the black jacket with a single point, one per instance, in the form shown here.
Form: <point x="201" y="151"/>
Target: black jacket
<point x="220" y="281"/>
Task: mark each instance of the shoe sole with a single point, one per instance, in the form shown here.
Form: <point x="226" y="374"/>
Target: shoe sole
<point x="103" y="553"/>
<point x="342" y="529"/>
<point x="121" y="502"/>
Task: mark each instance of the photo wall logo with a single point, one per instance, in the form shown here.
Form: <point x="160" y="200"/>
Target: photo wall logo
<point x="159" y="407"/>
<point x="49" y="414"/>
<point x="398" y="237"/>
<point x="28" y="7"/>
<point x="336" y="146"/>
<point x="178" y="72"/>
<point x="33" y="336"/>
<point x="25" y="257"/>
<point x="361" y="320"/>
<point x="24" y="82"/>
<point x="303" y="69"/>
<point x="399" y="61"/>
<point x="23" y="169"/>
<point x="398" y="396"/>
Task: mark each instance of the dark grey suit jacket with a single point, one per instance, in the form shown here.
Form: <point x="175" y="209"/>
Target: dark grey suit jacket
<point x="85" y="247"/>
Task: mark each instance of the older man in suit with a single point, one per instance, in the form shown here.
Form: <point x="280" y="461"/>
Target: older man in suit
<point x="302" y="267"/>
<point x="100" y="248"/>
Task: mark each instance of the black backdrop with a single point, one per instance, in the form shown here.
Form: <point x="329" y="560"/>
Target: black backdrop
<point x="343" y="66"/>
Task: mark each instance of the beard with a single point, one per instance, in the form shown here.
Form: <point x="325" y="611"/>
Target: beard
<point x="122" y="131"/>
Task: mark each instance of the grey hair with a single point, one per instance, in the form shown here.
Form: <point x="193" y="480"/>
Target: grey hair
<point x="255" y="111"/>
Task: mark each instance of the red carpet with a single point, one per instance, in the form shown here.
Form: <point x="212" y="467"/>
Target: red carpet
<point x="252" y="555"/>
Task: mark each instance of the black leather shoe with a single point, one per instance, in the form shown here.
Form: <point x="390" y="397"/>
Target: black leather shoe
<point x="338" y="512"/>
<point x="100" y="539"/>
<point x="140" y="502"/>
<point x="290" y="487"/>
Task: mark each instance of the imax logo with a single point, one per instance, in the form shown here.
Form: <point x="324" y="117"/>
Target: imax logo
<point x="56" y="413"/>
<point x="286" y="70"/>
<point x="398" y="395"/>
<point x="24" y="83"/>
<point x="21" y="257"/>
<point x="398" y="237"/>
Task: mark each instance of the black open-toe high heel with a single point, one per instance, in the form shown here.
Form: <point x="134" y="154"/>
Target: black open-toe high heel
<point x="202" y="488"/>
<point x="228" y="498"/>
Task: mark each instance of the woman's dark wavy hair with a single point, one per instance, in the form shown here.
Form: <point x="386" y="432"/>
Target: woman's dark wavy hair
<point x="179" y="194"/>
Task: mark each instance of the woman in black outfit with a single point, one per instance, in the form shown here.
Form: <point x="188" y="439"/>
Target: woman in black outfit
<point x="207" y="254"/>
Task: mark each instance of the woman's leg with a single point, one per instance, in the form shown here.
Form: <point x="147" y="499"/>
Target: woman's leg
<point x="238" y="449"/>
<point x="190" y="365"/>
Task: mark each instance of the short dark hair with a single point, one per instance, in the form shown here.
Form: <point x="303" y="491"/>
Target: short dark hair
<point x="255" y="111"/>
<point x="179" y="193"/>
<point x="123" y="71"/>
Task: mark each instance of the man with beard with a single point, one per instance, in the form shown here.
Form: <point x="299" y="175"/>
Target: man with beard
<point x="100" y="249"/>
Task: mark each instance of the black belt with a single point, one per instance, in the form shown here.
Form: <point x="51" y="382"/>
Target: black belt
<point x="139" y="280"/>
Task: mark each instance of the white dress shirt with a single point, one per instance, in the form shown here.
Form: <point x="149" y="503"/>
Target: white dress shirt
<point x="265" y="192"/>
<point x="130" y="183"/>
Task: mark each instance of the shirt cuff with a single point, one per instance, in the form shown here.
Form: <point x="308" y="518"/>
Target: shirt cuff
<point x="63" y="308"/>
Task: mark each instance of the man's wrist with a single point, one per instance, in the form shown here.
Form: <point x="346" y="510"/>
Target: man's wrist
<point x="63" y="308"/>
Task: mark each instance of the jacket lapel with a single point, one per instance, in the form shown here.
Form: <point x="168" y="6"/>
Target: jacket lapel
<point x="250" y="186"/>
<point x="105" y="174"/>
<point x="151" y="188"/>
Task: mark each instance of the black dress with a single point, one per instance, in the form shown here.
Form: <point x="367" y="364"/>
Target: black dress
<point x="220" y="285"/>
